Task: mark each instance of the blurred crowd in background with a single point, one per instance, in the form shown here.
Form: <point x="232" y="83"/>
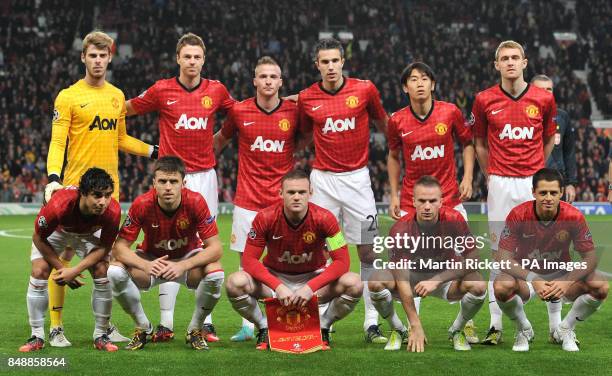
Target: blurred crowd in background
<point x="39" y="56"/>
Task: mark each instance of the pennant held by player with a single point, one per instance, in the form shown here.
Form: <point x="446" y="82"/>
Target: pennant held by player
<point x="294" y="330"/>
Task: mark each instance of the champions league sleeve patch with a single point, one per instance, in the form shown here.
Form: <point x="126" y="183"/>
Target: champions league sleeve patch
<point x="471" y="119"/>
<point x="127" y="222"/>
<point x="56" y="114"/>
<point x="42" y="222"/>
<point x="588" y="236"/>
<point x="252" y="233"/>
<point x="506" y="233"/>
<point x="210" y="219"/>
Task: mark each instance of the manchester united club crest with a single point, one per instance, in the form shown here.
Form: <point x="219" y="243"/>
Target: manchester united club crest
<point x="532" y="111"/>
<point x="115" y="102"/>
<point x="207" y="102"/>
<point x="284" y="125"/>
<point x="233" y="238"/>
<point x="309" y="237"/>
<point x="182" y="223"/>
<point x="562" y="236"/>
<point x="441" y="129"/>
<point x="292" y="318"/>
<point x="352" y="102"/>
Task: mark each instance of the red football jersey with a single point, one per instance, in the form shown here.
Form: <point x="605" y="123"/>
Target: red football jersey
<point x="515" y="128"/>
<point x="186" y="118"/>
<point x="266" y="141"/>
<point x="340" y="122"/>
<point x="62" y="213"/>
<point x="293" y="250"/>
<point x="451" y="224"/>
<point x="528" y="238"/>
<point x="428" y="148"/>
<point x="174" y="235"/>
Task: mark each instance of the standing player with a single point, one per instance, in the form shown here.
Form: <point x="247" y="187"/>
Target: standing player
<point x="537" y="235"/>
<point x="266" y="127"/>
<point x="425" y="133"/>
<point x="69" y="220"/>
<point x="187" y="106"/>
<point x="295" y="233"/>
<point x="431" y="222"/>
<point x="513" y="131"/>
<point x="181" y="244"/>
<point x="338" y="110"/>
<point x="91" y="115"/>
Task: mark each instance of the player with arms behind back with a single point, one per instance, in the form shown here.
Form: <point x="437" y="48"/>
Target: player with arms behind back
<point x="457" y="283"/>
<point x="535" y="243"/>
<point x="338" y="111"/>
<point x="181" y="244"/>
<point x="69" y="221"/>
<point x="514" y="128"/>
<point x="295" y="233"/>
<point x="187" y="106"/>
<point x="90" y="114"/>
<point x="266" y="126"/>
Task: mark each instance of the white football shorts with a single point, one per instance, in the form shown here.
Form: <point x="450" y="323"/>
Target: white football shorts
<point x="505" y="193"/>
<point x="205" y="183"/>
<point x="242" y="219"/>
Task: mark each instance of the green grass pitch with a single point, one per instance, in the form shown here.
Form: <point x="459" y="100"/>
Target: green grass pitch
<point x="349" y="355"/>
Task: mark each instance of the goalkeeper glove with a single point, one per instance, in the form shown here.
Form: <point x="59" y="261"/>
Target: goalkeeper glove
<point x="54" y="185"/>
<point x="154" y="152"/>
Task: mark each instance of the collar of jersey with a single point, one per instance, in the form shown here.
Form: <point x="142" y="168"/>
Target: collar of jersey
<point x="422" y="120"/>
<point x="295" y="227"/>
<point x="280" y="103"/>
<point x="552" y="221"/>
<point x="516" y="99"/>
<point x="344" y="79"/>
<point x="188" y="89"/>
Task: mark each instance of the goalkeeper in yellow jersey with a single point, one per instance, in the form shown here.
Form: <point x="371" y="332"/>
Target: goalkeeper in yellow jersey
<point x="90" y="115"/>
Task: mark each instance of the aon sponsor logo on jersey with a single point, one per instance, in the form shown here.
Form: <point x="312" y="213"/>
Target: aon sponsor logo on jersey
<point x="273" y="146"/>
<point x="288" y="258"/>
<point x="426" y="153"/>
<point x="191" y="123"/>
<point x="103" y="124"/>
<point x="516" y="133"/>
<point x="171" y="244"/>
<point x="339" y="125"/>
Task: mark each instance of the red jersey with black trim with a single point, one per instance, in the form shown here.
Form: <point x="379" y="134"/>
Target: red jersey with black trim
<point x="515" y="128"/>
<point x="290" y="249"/>
<point x="62" y="213"/>
<point x="186" y="118"/>
<point x="529" y="238"/>
<point x="428" y="148"/>
<point x="266" y="141"/>
<point x="340" y="122"/>
<point x="435" y="242"/>
<point x="173" y="234"/>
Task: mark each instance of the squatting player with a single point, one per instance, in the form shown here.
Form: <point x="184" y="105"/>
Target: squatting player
<point x="294" y="232"/>
<point x="266" y="127"/>
<point x="90" y="114"/>
<point x="187" y="106"/>
<point x="537" y="236"/>
<point x="431" y="219"/>
<point x="513" y="126"/>
<point x="338" y="110"/>
<point x="69" y="220"/>
<point x="181" y="244"/>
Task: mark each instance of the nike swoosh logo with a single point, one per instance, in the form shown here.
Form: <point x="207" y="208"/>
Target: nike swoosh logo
<point x="169" y="102"/>
<point x="406" y="134"/>
<point x="56" y="308"/>
<point x="578" y="319"/>
<point x="84" y="105"/>
<point x="155" y="226"/>
<point x="247" y="123"/>
<point x="317" y="107"/>
<point x="495" y="112"/>
<point x="525" y="236"/>
<point x="274" y="237"/>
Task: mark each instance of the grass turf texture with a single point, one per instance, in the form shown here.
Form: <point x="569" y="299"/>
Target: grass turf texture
<point x="349" y="355"/>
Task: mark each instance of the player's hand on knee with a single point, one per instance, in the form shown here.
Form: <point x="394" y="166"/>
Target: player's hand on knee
<point x="303" y="296"/>
<point x="284" y="294"/>
<point x="68" y="276"/>
<point x="157" y="266"/>
<point x="424" y="288"/>
<point x="50" y="189"/>
<point x="556" y="289"/>
<point x="540" y="287"/>
<point x="173" y="271"/>
<point x="416" y="339"/>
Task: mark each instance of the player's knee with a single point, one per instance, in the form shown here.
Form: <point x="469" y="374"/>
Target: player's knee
<point x="504" y="289"/>
<point x="353" y="286"/>
<point x="40" y="270"/>
<point x="117" y="276"/>
<point x="99" y="270"/>
<point x="598" y="289"/>
<point x="477" y="288"/>
<point x="376" y="286"/>
<point x="237" y="284"/>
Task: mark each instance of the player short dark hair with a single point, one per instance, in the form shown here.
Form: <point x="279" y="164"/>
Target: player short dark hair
<point x="541" y="77"/>
<point x="190" y="39"/>
<point x="169" y="164"/>
<point x="296" y="174"/>
<point x="421" y="67"/>
<point x="428" y="181"/>
<point x="547" y="174"/>
<point x="95" y="179"/>
<point x="327" y="44"/>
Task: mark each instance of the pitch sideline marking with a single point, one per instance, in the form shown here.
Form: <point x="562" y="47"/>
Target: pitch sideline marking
<point x="8" y="233"/>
